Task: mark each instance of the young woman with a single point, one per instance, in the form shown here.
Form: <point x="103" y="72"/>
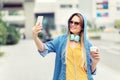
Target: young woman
<point x="74" y="60"/>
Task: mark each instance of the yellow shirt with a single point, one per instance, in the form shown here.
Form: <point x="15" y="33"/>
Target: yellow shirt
<point x="74" y="70"/>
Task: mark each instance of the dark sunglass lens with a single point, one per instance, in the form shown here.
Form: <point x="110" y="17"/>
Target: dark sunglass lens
<point x="76" y="23"/>
<point x="71" y="22"/>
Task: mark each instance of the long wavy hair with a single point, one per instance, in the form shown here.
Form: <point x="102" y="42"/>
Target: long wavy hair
<point x="81" y="34"/>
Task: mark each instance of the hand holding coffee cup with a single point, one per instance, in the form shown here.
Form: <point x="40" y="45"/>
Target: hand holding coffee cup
<point x="94" y="54"/>
<point x="94" y="49"/>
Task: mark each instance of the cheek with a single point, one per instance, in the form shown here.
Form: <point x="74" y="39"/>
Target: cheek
<point x="79" y="29"/>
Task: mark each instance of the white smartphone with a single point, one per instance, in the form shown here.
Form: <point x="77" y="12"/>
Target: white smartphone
<point x="39" y="19"/>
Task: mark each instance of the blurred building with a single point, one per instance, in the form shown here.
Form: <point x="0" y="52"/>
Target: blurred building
<point x="23" y="13"/>
<point x="105" y="12"/>
<point x="19" y="13"/>
<point x="56" y="12"/>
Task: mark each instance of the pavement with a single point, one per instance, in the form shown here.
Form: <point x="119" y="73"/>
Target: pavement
<point x="104" y="72"/>
<point x="107" y="36"/>
<point x="23" y="62"/>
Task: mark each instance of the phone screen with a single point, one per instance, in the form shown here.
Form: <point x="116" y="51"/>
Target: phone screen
<point x="39" y="19"/>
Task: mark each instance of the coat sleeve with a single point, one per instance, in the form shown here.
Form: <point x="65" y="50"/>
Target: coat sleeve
<point x="50" y="46"/>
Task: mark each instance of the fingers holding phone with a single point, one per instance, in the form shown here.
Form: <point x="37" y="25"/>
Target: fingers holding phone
<point x="38" y="26"/>
<point x="39" y="20"/>
<point x="39" y="23"/>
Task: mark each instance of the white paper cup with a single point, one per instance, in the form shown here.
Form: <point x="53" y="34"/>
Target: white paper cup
<point x="93" y="48"/>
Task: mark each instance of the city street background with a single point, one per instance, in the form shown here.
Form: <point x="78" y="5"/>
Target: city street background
<point x="23" y="62"/>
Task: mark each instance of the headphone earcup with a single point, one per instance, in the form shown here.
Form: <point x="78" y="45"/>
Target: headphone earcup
<point x="77" y="38"/>
<point x="72" y="37"/>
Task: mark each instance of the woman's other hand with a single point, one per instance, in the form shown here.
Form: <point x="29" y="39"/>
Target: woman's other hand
<point x="95" y="56"/>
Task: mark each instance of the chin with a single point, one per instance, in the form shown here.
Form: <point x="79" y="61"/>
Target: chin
<point x="72" y="31"/>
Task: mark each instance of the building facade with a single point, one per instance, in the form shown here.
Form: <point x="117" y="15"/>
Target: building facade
<point x="105" y="12"/>
<point x="102" y="13"/>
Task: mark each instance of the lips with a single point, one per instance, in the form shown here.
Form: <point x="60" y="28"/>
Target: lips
<point x="72" y="28"/>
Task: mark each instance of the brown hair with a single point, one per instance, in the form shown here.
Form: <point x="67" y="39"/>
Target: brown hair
<point x="81" y="34"/>
<point x="81" y="20"/>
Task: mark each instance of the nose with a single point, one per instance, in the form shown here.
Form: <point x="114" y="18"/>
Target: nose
<point x="72" y="24"/>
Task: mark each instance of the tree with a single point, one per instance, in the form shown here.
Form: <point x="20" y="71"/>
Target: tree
<point x="117" y="24"/>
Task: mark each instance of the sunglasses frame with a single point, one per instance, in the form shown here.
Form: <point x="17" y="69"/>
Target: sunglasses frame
<point x="74" y="22"/>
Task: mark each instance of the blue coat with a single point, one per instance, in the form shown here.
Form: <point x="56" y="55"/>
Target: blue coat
<point x="58" y="46"/>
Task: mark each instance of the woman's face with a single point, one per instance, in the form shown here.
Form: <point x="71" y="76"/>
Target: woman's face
<point x="74" y="25"/>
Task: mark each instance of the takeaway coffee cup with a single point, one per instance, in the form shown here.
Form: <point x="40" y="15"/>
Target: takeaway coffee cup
<point x="93" y="48"/>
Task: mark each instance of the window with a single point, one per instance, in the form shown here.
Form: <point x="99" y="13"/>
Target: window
<point x="66" y="6"/>
<point x="12" y="5"/>
<point x="102" y="8"/>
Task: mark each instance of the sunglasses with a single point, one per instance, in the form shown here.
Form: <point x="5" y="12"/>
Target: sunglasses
<point x="73" y="22"/>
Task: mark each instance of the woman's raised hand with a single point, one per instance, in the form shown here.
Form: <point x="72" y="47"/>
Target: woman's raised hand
<point x="37" y="29"/>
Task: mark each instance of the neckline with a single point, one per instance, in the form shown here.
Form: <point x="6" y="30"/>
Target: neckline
<point x="74" y="47"/>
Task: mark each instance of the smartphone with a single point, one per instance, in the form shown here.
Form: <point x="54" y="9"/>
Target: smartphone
<point x="39" y="19"/>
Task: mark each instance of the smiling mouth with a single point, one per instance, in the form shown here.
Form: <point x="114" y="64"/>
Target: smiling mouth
<point x="72" y="28"/>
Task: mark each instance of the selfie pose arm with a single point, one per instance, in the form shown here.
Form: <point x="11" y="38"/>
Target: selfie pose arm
<point x="38" y="29"/>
